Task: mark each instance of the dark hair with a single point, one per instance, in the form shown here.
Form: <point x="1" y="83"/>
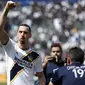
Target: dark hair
<point x="29" y="28"/>
<point x="60" y="61"/>
<point x="56" y="45"/>
<point x="76" y="54"/>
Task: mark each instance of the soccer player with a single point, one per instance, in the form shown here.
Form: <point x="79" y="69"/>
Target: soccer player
<point x="53" y="61"/>
<point x="22" y="61"/>
<point x="72" y="74"/>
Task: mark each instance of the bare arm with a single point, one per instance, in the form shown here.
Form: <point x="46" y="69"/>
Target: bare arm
<point x="51" y="83"/>
<point x="41" y="78"/>
<point x="3" y="35"/>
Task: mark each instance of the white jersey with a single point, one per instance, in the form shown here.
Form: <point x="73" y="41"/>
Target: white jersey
<point x="21" y="64"/>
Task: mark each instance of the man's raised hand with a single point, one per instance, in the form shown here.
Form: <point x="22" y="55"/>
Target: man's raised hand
<point x="10" y="5"/>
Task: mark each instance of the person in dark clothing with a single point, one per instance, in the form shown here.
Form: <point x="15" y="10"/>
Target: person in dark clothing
<point x="53" y="61"/>
<point x="74" y="72"/>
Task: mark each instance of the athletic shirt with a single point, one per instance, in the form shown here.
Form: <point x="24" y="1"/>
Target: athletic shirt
<point x="21" y="65"/>
<point x="73" y="74"/>
<point x="48" y="71"/>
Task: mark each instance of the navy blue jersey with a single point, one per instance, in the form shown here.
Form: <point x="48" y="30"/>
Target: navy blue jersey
<point x="48" y="71"/>
<point x="73" y="74"/>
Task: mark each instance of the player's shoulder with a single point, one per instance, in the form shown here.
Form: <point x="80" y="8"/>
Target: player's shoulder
<point x="60" y="69"/>
<point x="34" y="54"/>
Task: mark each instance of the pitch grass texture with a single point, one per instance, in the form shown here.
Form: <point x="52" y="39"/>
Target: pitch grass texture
<point x="3" y="84"/>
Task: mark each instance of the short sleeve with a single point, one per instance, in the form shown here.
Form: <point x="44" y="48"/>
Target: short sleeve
<point x="55" y="77"/>
<point x="9" y="48"/>
<point x="38" y="65"/>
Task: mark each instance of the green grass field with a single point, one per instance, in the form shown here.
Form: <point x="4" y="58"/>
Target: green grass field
<point x="2" y="83"/>
<point x="3" y="79"/>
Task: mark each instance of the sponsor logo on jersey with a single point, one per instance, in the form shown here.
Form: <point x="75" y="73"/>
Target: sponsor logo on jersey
<point x="23" y="63"/>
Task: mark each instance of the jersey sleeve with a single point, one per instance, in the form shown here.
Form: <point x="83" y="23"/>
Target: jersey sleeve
<point x="38" y="65"/>
<point x="55" y="78"/>
<point x="9" y="48"/>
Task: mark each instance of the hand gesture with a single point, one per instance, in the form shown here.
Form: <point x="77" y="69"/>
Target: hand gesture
<point x="10" y="5"/>
<point x="48" y="58"/>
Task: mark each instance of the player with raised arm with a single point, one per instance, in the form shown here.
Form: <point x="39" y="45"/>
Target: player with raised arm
<point x="22" y="60"/>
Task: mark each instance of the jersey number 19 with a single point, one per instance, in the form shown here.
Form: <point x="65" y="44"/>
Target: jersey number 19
<point x="78" y="72"/>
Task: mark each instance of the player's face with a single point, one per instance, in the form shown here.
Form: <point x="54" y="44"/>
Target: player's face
<point x="55" y="51"/>
<point x="23" y="34"/>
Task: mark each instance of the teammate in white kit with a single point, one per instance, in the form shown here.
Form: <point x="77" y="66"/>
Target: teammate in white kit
<point x="22" y="60"/>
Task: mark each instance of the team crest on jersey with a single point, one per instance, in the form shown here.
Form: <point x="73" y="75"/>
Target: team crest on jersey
<point x="30" y="58"/>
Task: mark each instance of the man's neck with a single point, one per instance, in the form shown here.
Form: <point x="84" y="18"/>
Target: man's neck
<point x="23" y="46"/>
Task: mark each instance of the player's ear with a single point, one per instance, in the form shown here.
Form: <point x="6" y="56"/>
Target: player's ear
<point x="30" y="35"/>
<point x="68" y="61"/>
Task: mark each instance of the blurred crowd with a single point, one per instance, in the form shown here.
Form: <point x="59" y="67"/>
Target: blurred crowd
<point x="62" y="22"/>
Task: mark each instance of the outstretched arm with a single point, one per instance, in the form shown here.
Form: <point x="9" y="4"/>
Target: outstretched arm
<point x="3" y="35"/>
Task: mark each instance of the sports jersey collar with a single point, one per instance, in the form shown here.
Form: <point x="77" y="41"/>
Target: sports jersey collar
<point x="25" y="50"/>
<point x="28" y="50"/>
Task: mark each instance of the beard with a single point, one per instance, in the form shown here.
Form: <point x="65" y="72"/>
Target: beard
<point x="22" y="41"/>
